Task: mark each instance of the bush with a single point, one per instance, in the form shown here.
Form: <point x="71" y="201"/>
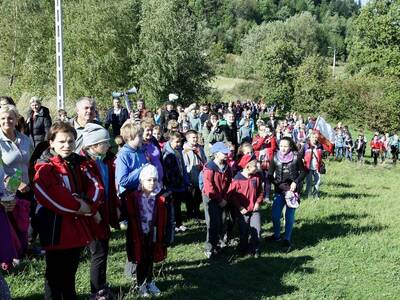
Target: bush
<point x="373" y="102"/>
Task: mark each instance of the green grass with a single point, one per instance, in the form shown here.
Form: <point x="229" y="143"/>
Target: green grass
<point x="346" y="247"/>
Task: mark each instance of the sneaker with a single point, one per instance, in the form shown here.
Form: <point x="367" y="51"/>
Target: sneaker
<point x="182" y="228"/>
<point x="272" y="238"/>
<point x="256" y="254"/>
<point x="153" y="289"/>
<point x="208" y="254"/>
<point x="123" y="225"/>
<point x="286" y="245"/>
<point x="143" y="292"/>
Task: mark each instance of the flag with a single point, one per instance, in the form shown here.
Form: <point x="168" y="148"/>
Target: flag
<point x="326" y="134"/>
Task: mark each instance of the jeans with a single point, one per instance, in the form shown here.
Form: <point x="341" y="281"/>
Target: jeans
<point x="98" y="265"/>
<point x="193" y="202"/>
<point x="213" y="216"/>
<point x="339" y="152"/>
<point x="277" y="208"/>
<point x="313" y="181"/>
<point x="179" y="197"/>
<point x="349" y="154"/>
<point x="61" y="267"/>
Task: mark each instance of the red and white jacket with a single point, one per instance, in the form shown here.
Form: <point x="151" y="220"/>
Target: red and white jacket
<point x="264" y="149"/>
<point x="309" y="153"/>
<point x="59" y="224"/>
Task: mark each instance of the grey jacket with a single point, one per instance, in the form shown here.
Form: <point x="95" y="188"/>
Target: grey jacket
<point x="16" y="154"/>
<point x="193" y="162"/>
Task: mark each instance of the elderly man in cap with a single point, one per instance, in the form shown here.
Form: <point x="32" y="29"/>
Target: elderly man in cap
<point x="85" y="113"/>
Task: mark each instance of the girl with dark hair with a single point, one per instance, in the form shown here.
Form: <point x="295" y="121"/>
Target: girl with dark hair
<point x="67" y="192"/>
<point x="286" y="173"/>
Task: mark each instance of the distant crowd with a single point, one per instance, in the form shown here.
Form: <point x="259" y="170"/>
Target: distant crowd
<point x="65" y="184"/>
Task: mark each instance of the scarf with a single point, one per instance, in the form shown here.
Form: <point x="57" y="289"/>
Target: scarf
<point x="285" y="158"/>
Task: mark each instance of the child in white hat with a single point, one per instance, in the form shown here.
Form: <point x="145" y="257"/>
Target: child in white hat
<point x="148" y="231"/>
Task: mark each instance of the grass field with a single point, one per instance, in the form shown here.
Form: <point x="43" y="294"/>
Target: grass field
<point x="346" y="246"/>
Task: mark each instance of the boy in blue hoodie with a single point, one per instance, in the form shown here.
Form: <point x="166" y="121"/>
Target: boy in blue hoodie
<point x="129" y="163"/>
<point x="176" y="178"/>
<point x="130" y="159"/>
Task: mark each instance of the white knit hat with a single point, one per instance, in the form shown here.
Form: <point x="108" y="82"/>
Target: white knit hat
<point x="148" y="171"/>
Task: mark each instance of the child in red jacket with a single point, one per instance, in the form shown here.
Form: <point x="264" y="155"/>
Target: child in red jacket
<point x="101" y="162"/>
<point x="67" y="194"/>
<point x="246" y="193"/>
<point x="216" y="178"/>
<point x="148" y="232"/>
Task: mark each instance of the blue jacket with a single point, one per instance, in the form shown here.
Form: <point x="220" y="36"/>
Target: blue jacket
<point x="176" y="178"/>
<point x="128" y="165"/>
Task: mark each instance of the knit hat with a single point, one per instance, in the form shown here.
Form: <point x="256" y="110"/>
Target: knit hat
<point x="148" y="171"/>
<point x="220" y="147"/>
<point x="245" y="160"/>
<point x="94" y="134"/>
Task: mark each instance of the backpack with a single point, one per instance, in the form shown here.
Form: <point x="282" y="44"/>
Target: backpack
<point x="201" y="179"/>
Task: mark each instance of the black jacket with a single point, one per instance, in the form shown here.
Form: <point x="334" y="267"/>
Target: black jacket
<point x="115" y="121"/>
<point x="231" y="133"/>
<point x="296" y="172"/>
<point x="38" y="126"/>
<point x="167" y="116"/>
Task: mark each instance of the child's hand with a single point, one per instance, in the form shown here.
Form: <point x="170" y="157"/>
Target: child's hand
<point x="243" y="211"/>
<point x="223" y="203"/>
<point x="8" y="205"/>
<point x="97" y="218"/>
<point x="85" y="208"/>
<point x="256" y="207"/>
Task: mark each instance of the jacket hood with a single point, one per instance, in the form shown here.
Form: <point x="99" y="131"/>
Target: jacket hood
<point x="127" y="148"/>
<point x="168" y="149"/>
<point x="211" y="165"/>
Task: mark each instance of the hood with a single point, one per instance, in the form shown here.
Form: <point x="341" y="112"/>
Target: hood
<point x="211" y="165"/>
<point x="126" y="148"/>
<point x="168" y="149"/>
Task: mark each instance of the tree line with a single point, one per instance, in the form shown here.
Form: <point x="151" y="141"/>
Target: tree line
<point x="284" y="47"/>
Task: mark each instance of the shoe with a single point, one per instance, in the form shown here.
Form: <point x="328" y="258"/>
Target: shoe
<point x="143" y="292"/>
<point x="208" y="254"/>
<point x="36" y="251"/>
<point x="272" y="238"/>
<point x="256" y="254"/>
<point x="123" y="225"/>
<point x="286" y="245"/>
<point x="153" y="289"/>
<point x="182" y="228"/>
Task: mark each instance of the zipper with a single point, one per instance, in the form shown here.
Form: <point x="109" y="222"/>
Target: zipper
<point x="54" y="229"/>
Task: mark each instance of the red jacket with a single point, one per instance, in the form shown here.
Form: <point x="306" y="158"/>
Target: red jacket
<point x="216" y="182"/>
<point x="266" y="144"/>
<point x="376" y="145"/>
<point x="135" y="235"/>
<point x="308" y="156"/>
<point x="59" y="224"/>
<point x="246" y="192"/>
<point x="110" y="202"/>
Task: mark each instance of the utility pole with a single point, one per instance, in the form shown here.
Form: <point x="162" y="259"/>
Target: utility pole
<point x="59" y="53"/>
<point x="334" y="62"/>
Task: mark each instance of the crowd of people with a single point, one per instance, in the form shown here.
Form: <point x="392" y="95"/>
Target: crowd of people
<point x="70" y="181"/>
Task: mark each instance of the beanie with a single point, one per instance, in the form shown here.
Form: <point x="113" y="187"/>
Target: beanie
<point x="94" y="134"/>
